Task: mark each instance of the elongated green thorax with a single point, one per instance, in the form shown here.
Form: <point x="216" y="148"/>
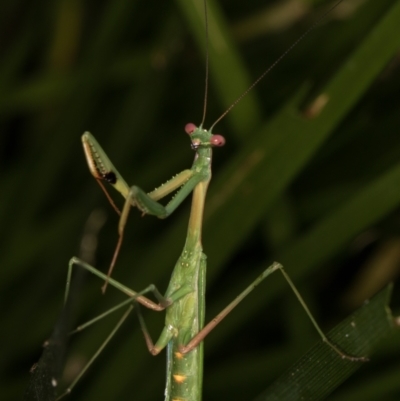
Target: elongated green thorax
<point x="202" y="141"/>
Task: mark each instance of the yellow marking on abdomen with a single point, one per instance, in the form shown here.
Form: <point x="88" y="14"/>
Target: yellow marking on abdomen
<point x="178" y="355"/>
<point x="179" y="378"/>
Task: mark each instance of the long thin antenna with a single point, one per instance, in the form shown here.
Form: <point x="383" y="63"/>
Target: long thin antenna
<point x="277" y="61"/>
<point x="207" y="56"/>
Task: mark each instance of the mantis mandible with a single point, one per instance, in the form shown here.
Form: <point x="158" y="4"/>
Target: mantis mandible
<point x="184" y="299"/>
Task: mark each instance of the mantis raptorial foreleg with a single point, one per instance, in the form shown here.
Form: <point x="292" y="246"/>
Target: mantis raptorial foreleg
<point x="102" y="169"/>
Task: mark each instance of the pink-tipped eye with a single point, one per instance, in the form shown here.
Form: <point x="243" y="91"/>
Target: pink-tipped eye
<point x="217" y="140"/>
<point x="190" y="128"/>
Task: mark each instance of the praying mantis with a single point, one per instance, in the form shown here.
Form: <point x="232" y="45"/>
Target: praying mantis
<point x="183" y="301"/>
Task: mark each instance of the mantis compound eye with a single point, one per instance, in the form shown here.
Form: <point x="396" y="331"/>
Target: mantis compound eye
<point x="217" y="140"/>
<point x="189" y="128"/>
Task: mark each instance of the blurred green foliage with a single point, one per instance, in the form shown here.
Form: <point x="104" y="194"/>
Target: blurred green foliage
<point x="317" y="190"/>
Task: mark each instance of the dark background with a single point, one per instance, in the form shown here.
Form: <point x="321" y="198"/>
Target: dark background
<point x="132" y="73"/>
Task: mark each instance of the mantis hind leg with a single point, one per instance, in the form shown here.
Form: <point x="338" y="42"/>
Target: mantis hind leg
<point x="97" y="353"/>
<point x="134" y="298"/>
<point x="271" y="269"/>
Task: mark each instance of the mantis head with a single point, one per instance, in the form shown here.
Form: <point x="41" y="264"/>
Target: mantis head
<point x="203" y="138"/>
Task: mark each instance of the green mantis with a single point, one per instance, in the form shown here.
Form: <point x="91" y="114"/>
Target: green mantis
<point x="184" y="300"/>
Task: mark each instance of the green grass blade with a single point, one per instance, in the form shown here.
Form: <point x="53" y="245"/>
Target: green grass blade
<point x="320" y="370"/>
